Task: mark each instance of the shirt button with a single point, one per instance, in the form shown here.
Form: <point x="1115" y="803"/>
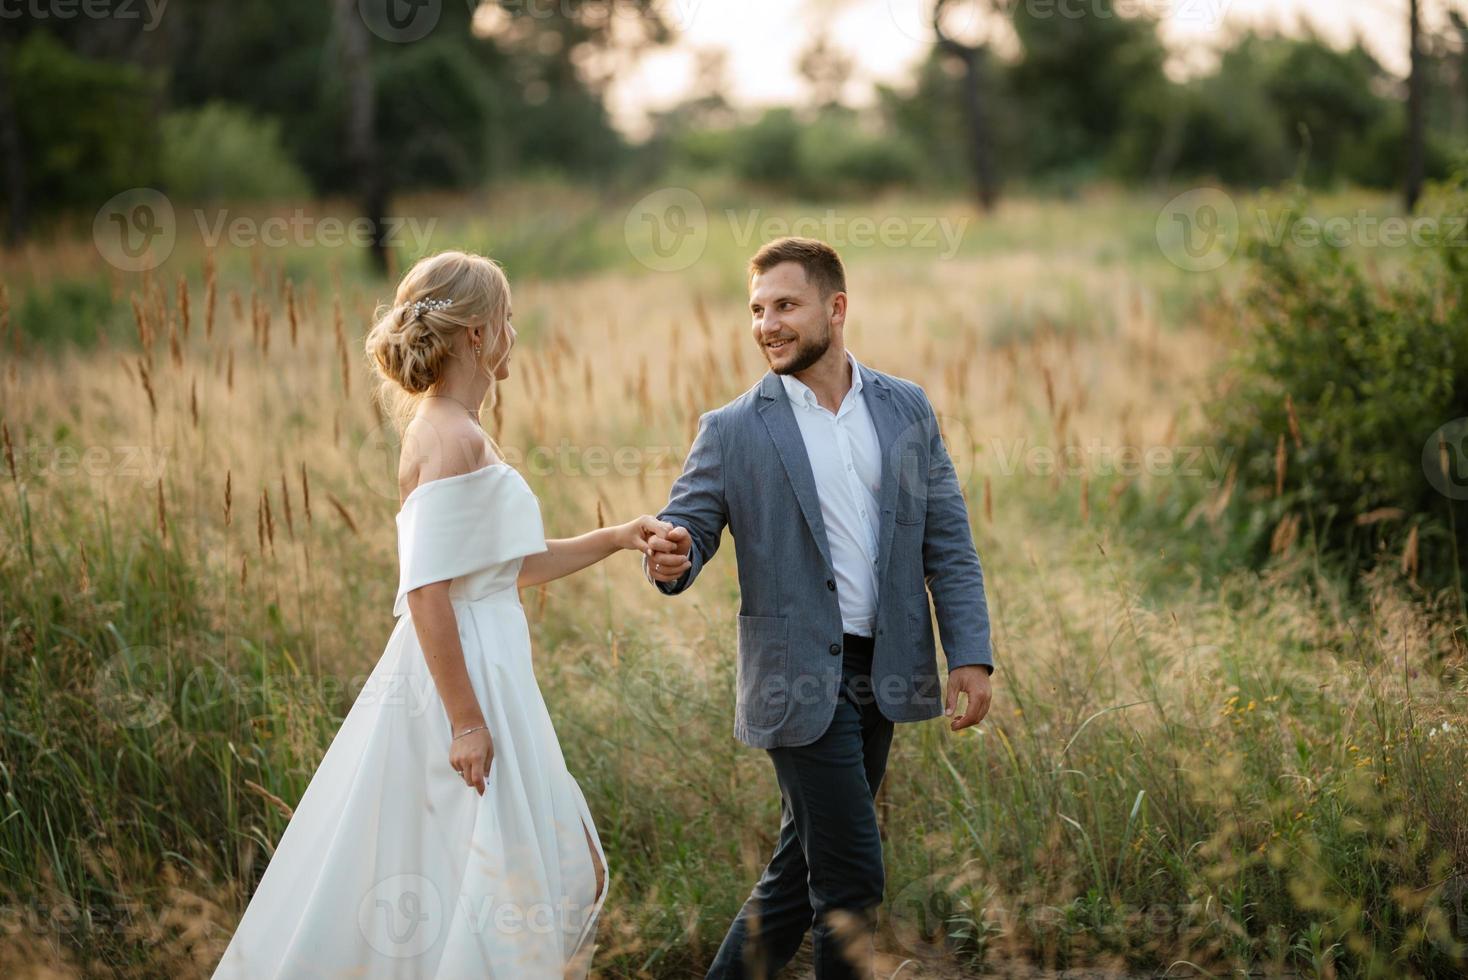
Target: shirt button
<point x="835" y="649"/>
<point x="831" y="584"/>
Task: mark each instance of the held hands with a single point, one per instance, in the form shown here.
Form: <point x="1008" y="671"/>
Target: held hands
<point x="667" y="553"/>
<point x="664" y="546"/>
<point x="634" y="535"/>
<point x="471" y="756"/>
<point x="973" y="682"/>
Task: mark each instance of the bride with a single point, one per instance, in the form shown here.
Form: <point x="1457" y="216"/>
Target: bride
<point x="442" y="835"/>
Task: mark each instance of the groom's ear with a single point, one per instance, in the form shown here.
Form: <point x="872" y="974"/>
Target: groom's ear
<point x="836" y="308"/>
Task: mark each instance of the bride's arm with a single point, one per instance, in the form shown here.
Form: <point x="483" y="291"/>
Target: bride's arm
<point x="438" y="635"/>
<point x="563" y="556"/>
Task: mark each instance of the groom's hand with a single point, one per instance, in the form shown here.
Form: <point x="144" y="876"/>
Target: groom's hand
<point x="972" y="681"/>
<point x="667" y="554"/>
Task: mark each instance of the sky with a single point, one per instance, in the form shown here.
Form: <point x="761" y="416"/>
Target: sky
<point x="763" y="40"/>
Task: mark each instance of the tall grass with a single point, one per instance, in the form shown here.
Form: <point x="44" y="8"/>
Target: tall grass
<point x="1187" y="766"/>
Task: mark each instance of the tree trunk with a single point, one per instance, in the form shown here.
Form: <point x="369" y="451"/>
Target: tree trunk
<point x="1460" y="88"/>
<point x="981" y="150"/>
<point x="17" y="218"/>
<point x="1416" y="110"/>
<point x="361" y="125"/>
<point x="975" y="108"/>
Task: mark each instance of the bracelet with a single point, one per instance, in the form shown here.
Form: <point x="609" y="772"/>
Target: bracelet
<point x="470" y="731"/>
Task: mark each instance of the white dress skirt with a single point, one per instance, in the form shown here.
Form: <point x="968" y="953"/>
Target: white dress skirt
<point x="391" y="865"/>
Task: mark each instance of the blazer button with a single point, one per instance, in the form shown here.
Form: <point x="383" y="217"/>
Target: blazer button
<point x="835" y="649"/>
<point x="831" y="584"/>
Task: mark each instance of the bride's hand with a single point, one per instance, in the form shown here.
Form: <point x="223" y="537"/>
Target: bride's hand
<point x="633" y="535"/>
<point x="471" y="756"/>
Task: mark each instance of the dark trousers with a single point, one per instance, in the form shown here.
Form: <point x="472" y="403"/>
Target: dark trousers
<point x="826" y="874"/>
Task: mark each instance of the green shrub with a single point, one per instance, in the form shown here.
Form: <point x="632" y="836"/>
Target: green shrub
<point x="76" y="311"/>
<point x="225" y="151"/>
<point x="1374" y="365"/>
<point x="764" y="152"/>
<point x="1222" y="125"/>
<point x="1379" y="158"/>
<point x="437" y="102"/>
<point x="835" y="155"/>
<point x="830" y="155"/>
<point x="86" y="126"/>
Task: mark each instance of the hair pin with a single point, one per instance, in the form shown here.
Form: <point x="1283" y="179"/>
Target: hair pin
<point x="418" y="306"/>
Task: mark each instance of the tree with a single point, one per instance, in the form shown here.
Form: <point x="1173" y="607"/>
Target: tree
<point x="1082" y="78"/>
<point x="11" y="149"/>
<point x="1416" y="109"/>
<point x="361" y="146"/>
<point x="826" y="69"/>
<point x="86" y="126"/>
<point x="974" y="59"/>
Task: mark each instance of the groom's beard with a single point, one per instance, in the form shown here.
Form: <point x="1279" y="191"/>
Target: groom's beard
<point x="806" y="354"/>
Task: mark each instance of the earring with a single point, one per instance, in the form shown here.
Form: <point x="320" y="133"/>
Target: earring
<point x="476" y="350"/>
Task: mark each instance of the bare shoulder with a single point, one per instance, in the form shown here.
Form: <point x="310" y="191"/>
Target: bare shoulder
<point x="438" y="445"/>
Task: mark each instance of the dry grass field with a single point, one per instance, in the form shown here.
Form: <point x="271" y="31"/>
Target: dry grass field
<point x="1190" y="766"/>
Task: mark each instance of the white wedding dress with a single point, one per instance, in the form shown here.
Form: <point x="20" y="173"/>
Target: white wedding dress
<point x="391" y="865"/>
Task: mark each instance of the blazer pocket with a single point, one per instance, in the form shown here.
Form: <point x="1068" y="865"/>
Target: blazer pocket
<point x="763" y="681"/>
<point x="912" y="488"/>
<point x="920" y="620"/>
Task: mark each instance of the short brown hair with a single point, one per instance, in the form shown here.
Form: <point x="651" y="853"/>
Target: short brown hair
<point x="821" y="263"/>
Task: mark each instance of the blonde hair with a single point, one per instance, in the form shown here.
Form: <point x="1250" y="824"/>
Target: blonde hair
<point x="410" y="348"/>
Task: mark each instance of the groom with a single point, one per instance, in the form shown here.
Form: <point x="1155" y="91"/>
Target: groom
<point x="846" y="511"/>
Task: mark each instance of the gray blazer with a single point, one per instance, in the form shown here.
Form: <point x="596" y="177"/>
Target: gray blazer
<point x="748" y="469"/>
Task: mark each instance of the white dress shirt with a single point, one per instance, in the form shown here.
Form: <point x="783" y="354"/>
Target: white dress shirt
<point x="846" y="460"/>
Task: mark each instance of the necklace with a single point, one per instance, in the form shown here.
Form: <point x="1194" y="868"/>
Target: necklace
<point x="452" y="399"/>
<point x="473" y="413"/>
